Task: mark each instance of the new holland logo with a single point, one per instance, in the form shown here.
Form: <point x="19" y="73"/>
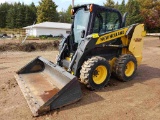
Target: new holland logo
<point x="112" y="36"/>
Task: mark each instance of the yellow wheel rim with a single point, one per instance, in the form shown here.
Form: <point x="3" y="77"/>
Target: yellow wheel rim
<point x="129" y="69"/>
<point x="99" y="74"/>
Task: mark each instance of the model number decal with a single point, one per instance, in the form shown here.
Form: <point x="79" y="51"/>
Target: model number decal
<point x="138" y="39"/>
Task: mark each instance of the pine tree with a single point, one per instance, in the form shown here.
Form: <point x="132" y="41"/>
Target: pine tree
<point x="117" y="6"/>
<point x="30" y="14"/>
<point x="33" y="9"/>
<point x="122" y="7"/>
<point x="133" y="9"/>
<point x="17" y="15"/>
<point x="68" y="14"/>
<point x="109" y="3"/>
<point x="20" y="16"/>
<point x="46" y="11"/>
<point x="62" y="16"/>
<point x="11" y="18"/>
<point x="3" y="13"/>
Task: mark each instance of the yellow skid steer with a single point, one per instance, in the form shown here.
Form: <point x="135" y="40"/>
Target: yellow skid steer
<point x="99" y="45"/>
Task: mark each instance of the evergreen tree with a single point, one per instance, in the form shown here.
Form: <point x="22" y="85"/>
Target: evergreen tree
<point x="33" y="7"/>
<point x="20" y="16"/>
<point x="68" y="14"/>
<point x="30" y="14"/>
<point x="46" y="11"/>
<point x="11" y="18"/>
<point x="117" y="6"/>
<point x="109" y="3"/>
<point x="65" y="16"/>
<point x="33" y="11"/>
<point x="122" y="7"/>
<point x="133" y="9"/>
<point x="3" y="13"/>
<point x="62" y="16"/>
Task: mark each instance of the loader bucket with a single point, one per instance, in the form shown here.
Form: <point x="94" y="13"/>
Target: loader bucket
<point x="47" y="86"/>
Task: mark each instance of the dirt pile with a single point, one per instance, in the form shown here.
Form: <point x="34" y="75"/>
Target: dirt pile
<point x="29" y="47"/>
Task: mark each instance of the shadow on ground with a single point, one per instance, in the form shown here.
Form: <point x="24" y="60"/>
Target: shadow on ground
<point x="143" y="74"/>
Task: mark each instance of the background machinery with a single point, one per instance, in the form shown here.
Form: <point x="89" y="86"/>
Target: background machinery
<point x="99" y="45"/>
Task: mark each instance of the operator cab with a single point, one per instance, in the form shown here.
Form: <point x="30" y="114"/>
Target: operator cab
<point x="80" y="24"/>
<point x="91" y="18"/>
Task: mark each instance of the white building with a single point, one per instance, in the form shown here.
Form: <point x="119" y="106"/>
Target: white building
<point x="48" y="28"/>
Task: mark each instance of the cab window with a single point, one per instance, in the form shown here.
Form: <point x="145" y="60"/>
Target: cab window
<point x="106" y="21"/>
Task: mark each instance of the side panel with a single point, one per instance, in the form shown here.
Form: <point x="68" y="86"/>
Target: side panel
<point x="136" y="44"/>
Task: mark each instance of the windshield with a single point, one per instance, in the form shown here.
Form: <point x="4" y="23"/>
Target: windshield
<point x="80" y="23"/>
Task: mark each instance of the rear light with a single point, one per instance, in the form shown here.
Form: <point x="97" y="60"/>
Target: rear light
<point x="72" y="11"/>
<point x="91" y="8"/>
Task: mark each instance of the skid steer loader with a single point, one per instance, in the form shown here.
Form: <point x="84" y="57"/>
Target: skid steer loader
<point x="99" y="45"/>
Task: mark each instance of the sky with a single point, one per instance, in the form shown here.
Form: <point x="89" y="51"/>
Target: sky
<point x="62" y="4"/>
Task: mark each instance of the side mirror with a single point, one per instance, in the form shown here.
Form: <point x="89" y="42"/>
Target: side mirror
<point x="82" y="33"/>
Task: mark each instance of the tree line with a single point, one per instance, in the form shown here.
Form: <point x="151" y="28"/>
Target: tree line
<point x="19" y="15"/>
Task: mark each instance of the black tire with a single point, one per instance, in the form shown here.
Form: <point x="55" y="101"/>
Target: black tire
<point x="92" y="73"/>
<point x="125" y="67"/>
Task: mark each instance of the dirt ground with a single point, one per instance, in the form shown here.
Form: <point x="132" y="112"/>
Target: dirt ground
<point x="137" y="100"/>
<point x="5" y="41"/>
<point x="28" y="46"/>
